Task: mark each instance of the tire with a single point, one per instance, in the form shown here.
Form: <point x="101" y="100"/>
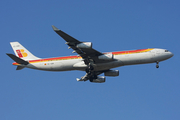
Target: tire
<point x="157" y="66"/>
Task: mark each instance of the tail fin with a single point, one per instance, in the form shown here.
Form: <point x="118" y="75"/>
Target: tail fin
<point x="22" y="52"/>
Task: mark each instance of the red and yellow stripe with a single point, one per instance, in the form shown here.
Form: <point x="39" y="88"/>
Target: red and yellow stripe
<point x="78" y="57"/>
<point x="132" y="51"/>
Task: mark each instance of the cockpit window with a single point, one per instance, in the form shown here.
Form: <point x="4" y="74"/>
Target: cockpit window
<point x="166" y="51"/>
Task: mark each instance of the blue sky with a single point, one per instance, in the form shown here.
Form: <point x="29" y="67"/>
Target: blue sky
<point x="141" y="92"/>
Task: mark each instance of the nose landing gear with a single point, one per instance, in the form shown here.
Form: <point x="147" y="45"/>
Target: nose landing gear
<point x="157" y="64"/>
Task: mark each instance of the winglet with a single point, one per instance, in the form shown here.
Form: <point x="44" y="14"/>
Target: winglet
<point x="55" y="28"/>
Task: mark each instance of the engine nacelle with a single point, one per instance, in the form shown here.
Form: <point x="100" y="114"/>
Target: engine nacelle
<point x="84" y="45"/>
<point x="100" y="79"/>
<point x="112" y="73"/>
<point x="107" y="56"/>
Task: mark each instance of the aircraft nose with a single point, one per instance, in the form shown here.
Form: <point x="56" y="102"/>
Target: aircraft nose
<point x="171" y="54"/>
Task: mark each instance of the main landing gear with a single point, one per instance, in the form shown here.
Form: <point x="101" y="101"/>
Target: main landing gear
<point x="89" y="69"/>
<point x="92" y="77"/>
<point x="90" y="72"/>
<point x="157" y="64"/>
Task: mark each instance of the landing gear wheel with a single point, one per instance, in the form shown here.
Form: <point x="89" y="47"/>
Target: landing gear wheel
<point x="89" y="69"/>
<point x="95" y="76"/>
<point x="157" y="66"/>
<point x="91" y="79"/>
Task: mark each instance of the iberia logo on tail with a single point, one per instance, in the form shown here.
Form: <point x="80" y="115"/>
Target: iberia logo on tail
<point x="21" y="53"/>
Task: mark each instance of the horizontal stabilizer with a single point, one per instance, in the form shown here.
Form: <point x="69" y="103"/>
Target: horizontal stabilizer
<point x="20" y="67"/>
<point x="17" y="59"/>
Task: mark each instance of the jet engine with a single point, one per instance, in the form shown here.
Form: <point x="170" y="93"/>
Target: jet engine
<point x="84" y="45"/>
<point x="108" y="56"/>
<point x="100" y="79"/>
<point x="112" y="73"/>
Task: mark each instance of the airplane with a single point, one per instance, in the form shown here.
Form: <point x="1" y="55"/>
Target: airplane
<point x="88" y="59"/>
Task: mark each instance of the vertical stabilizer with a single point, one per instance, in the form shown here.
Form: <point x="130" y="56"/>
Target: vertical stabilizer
<point x="22" y="52"/>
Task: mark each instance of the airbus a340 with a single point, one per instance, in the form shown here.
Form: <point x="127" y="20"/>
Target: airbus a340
<point x="88" y="59"/>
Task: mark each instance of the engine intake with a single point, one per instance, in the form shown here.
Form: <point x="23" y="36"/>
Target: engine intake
<point x="112" y="73"/>
<point x="84" y="45"/>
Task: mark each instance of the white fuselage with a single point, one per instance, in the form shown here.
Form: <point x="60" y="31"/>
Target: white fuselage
<point x="77" y="63"/>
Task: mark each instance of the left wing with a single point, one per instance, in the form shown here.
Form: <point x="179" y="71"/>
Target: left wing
<point x="89" y="55"/>
<point x="84" y="49"/>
